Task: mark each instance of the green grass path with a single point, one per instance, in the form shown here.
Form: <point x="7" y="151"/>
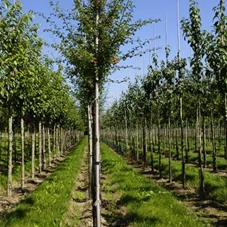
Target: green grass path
<point x="45" y="206"/>
<point x="146" y="204"/>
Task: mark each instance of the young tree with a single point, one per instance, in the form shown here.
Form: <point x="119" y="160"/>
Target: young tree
<point x="195" y="36"/>
<point x="92" y="48"/>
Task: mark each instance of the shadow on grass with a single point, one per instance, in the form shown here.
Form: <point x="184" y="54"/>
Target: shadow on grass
<point x="126" y="199"/>
<point x="19" y="214"/>
<point x="221" y="223"/>
<point x="118" y="217"/>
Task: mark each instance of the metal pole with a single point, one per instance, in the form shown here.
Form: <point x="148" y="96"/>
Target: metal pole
<point x="178" y="26"/>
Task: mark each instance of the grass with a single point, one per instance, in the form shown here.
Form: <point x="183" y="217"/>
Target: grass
<point x="215" y="186"/>
<point x="46" y="205"/>
<point x="146" y="203"/>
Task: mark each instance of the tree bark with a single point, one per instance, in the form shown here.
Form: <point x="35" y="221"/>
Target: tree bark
<point x="10" y="154"/>
<point x="90" y="146"/>
<point x="44" y="147"/>
<point x="182" y="144"/>
<point x="33" y="154"/>
<point x="40" y="148"/>
<point x="204" y="144"/>
<point x="198" y="138"/>
<point x="22" y="154"/>
<point x="144" y="143"/>
<point x="213" y="143"/>
<point x="49" y="147"/>
<point x="170" y="153"/>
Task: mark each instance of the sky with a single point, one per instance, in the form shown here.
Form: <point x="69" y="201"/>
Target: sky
<point x="144" y="9"/>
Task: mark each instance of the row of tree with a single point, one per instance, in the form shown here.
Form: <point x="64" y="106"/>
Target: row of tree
<point x="172" y="95"/>
<point x="33" y="91"/>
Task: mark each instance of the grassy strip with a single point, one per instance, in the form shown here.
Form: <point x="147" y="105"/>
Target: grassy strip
<point x="46" y="205"/>
<point x="146" y="203"/>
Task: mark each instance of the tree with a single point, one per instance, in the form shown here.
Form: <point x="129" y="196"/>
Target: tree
<point x="92" y="48"/>
<point x="195" y="36"/>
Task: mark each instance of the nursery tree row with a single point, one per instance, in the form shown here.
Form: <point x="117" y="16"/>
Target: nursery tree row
<point x="178" y="109"/>
<point x="34" y="96"/>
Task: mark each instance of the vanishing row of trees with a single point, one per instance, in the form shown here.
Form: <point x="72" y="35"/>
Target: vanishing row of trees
<point x="33" y="94"/>
<point x="171" y="100"/>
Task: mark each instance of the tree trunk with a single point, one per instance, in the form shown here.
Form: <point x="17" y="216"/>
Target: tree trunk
<point x="33" y="154"/>
<point x="22" y="154"/>
<point x="49" y="147"/>
<point x="177" y="147"/>
<point x="90" y="146"/>
<point x="170" y="155"/>
<point x="152" y="151"/>
<point x="198" y="138"/>
<point x="57" y="142"/>
<point x="40" y="148"/>
<point x="159" y="148"/>
<point x="186" y="143"/>
<point x="44" y="148"/>
<point x="126" y="134"/>
<point x="213" y="143"/>
<point x="54" y="142"/>
<point x="10" y="154"/>
<point x="225" y="125"/>
<point x="97" y="202"/>
<point x="144" y="143"/>
<point x="182" y="144"/>
<point x="204" y="144"/>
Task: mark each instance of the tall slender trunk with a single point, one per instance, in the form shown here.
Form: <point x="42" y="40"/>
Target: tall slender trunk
<point x="204" y="144"/>
<point x="14" y="145"/>
<point x="144" y="142"/>
<point x="150" y="143"/>
<point x="57" y="141"/>
<point x="97" y="202"/>
<point x="152" y="151"/>
<point x="213" y="143"/>
<point x="225" y="124"/>
<point x="159" y="147"/>
<point x="126" y="134"/>
<point x="63" y="137"/>
<point x="22" y="154"/>
<point x="90" y="146"/>
<point x="33" y="154"/>
<point x="54" y="142"/>
<point x="1" y="140"/>
<point x="182" y="144"/>
<point x="198" y="138"/>
<point x="186" y="143"/>
<point x="10" y="154"/>
<point x="60" y="140"/>
<point x="40" y="148"/>
<point x="169" y="146"/>
<point x="49" y="147"/>
<point x="44" y="147"/>
<point x="137" y="142"/>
